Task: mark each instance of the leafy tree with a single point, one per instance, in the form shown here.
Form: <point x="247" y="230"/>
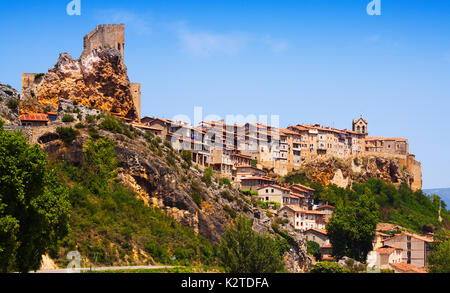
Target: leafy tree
<point x="243" y="250"/>
<point x="439" y="258"/>
<point x="328" y="268"/>
<point x="34" y="207"/>
<point x="254" y="163"/>
<point x="100" y="158"/>
<point x="187" y="157"/>
<point x="313" y="248"/>
<point x="352" y="227"/>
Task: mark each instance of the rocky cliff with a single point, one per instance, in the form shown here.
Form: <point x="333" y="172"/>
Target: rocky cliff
<point x="9" y="99"/>
<point x="163" y="182"/>
<point x="98" y="80"/>
<point x="344" y="172"/>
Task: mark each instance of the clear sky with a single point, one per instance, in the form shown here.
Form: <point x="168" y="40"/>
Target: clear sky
<point x="308" y="61"/>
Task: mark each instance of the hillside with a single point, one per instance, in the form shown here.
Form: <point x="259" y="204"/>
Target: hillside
<point x="399" y="205"/>
<point x="151" y="206"/>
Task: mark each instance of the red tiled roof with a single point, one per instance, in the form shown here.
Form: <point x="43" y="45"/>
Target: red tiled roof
<point x="39" y="117"/>
<point x="407" y="268"/>
<point x="325" y="207"/>
<point x="386" y="138"/>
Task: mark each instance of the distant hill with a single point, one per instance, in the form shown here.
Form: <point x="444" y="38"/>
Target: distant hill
<point x="444" y="193"/>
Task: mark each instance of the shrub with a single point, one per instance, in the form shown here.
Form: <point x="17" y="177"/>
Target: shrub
<point x="80" y="126"/>
<point x="207" y="176"/>
<point x="249" y="192"/>
<point x="187" y="157"/>
<point x="36" y="76"/>
<point x="67" y="134"/>
<point x="13" y="104"/>
<point x="328" y="268"/>
<point x="67" y="118"/>
<point x="197" y="193"/>
<point x="230" y="211"/>
<point x="93" y="132"/>
<point x="225" y="181"/>
<point x="313" y="248"/>
<point x="90" y="119"/>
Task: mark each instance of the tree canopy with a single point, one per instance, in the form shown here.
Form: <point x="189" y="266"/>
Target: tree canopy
<point x="34" y="207"/>
<point x="352" y="227"/>
<point x="439" y="258"/>
<point x="243" y="250"/>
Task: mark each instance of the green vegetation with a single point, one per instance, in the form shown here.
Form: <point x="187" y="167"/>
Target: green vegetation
<point x="187" y="158"/>
<point x="34" y="207"/>
<point x="67" y="118"/>
<point x="254" y="163"/>
<point x="225" y="181"/>
<point x="398" y="205"/>
<point x="80" y="125"/>
<point x="249" y="192"/>
<point x="328" y="268"/>
<point x="243" y="250"/>
<point x="197" y="193"/>
<point x="207" y="176"/>
<point x="115" y="125"/>
<point x="67" y="134"/>
<point x="439" y="258"/>
<point x="172" y="270"/>
<point x="13" y="105"/>
<point x="268" y="204"/>
<point x="36" y="76"/>
<point x="109" y="224"/>
<point x="352" y="228"/>
<point x="313" y="248"/>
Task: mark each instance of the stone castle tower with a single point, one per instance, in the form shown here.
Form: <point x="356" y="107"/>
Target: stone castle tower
<point x="105" y="35"/>
<point x="360" y="125"/>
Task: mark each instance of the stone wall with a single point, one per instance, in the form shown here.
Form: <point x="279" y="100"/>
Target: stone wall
<point x="27" y="80"/>
<point x="106" y="36"/>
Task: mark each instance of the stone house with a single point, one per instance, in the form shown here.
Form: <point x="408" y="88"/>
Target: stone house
<point x="255" y="182"/>
<point x="415" y="248"/>
<point x="274" y="193"/>
<point x="302" y="219"/>
<point x="34" y="119"/>
<point x="317" y="235"/>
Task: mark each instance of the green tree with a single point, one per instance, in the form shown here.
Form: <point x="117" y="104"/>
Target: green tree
<point x="328" y="268"/>
<point x="34" y="207"/>
<point x="243" y="250"/>
<point x="254" y="163"/>
<point x="100" y="158"/>
<point x="313" y="248"/>
<point x="439" y="259"/>
<point x="352" y="227"/>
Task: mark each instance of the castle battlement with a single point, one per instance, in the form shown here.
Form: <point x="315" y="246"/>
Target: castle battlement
<point x="105" y="35"/>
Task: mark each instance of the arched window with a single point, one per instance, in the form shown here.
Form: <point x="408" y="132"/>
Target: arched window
<point x="358" y="129"/>
<point x="364" y="129"/>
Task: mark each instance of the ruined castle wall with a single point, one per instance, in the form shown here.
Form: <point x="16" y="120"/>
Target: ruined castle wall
<point x="27" y="80"/>
<point x="109" y="36"/>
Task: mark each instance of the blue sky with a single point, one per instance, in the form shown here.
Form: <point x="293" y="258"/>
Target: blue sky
<point x="308" y="61"/>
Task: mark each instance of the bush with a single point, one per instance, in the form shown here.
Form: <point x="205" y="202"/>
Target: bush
<point x="80" y="126"/>
<point x="313" y="248"/>
<point x="13" y="104"/>
<point x="225" y="181"/>
<point x="328" y="268"/>
<point x="67" y="134"/>
<point x="230" y="211"/>
<point x="36" y="76"/>
<point x="249" y="192"/>
<point x="187" y="157"/>
<point x="207" y="176"/>
<point x="67" y="118"/>
<point x="90" y="119"/>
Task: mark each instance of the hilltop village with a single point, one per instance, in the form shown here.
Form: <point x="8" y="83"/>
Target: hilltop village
<point x="252" y="156"/>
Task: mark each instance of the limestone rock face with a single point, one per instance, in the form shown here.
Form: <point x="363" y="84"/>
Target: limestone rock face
<point x="8" y="94"/>
<point x="345" y="172"/>
<point x="98" y="80"/>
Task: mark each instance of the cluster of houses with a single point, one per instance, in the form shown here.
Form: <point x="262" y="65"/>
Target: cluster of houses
<point x="393" y="249"/>
<point x="223" y="146"/>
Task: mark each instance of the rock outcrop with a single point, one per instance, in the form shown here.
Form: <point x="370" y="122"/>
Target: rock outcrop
<point x="9" y="98"/>
<point x="344" y="173"/>
<point x="98" y="80"/>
